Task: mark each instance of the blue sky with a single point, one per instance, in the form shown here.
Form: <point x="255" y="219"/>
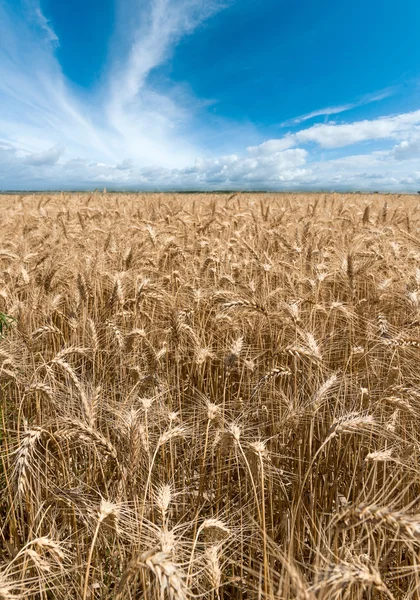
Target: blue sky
<point x="210" y="94"/>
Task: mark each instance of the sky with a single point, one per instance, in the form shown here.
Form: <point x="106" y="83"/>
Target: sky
<point x="210" y="95"/>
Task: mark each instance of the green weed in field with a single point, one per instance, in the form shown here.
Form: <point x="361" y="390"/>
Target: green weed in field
<point x="6" y="322"/>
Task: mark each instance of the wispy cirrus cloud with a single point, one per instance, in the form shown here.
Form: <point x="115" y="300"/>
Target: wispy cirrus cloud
<point x="39" y="108"/>
<point x="153" y="125"/>
<point x="126" y="118"/>
<point x="44" y="23"/>
<point x="335" y="110"/>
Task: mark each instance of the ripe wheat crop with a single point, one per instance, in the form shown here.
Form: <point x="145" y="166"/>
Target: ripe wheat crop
<point x="210" y="396"/>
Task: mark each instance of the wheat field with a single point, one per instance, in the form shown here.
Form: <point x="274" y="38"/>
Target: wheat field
<point x="210" y="396"/>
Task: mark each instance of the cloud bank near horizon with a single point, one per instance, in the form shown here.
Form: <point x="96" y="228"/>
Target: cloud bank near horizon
<point x="129" y="134"/>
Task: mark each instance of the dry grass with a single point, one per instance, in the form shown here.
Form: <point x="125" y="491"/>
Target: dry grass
<point x="210" y="396"/>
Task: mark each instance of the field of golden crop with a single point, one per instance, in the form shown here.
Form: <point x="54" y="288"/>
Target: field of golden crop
<point x="210" y="396"/>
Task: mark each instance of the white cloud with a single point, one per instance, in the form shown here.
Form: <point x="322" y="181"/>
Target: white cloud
<point x="335" y="135"/>
<point x="49" y="157"/>
<point x="407" y="149"/>
<point x="125" y="165"/>
<point x="44" y="23"/>
<point x="367" y="172"/>
<point x="330" y="110"/>
<point x="335" y="110"/>
<point x="378" y="170"/>
<point x="272" y="146"/>
<point x="279" y="166"/>
<point x="231" y="171"/>
<point x="293" y="168"/>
